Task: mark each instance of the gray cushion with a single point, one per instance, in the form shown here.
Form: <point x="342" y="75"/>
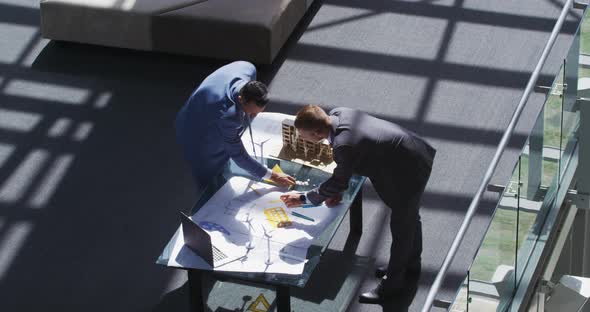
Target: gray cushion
<point x="251" y="30"/>
<point x="118" y="23"/>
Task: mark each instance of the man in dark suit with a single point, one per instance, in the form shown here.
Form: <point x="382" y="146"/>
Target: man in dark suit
<point x="397" y="162"/>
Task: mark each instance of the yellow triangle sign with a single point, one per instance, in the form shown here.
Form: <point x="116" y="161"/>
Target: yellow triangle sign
<point x="255" y="306"/>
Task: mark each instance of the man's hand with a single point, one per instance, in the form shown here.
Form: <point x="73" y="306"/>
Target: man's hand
<point x="282" y="179"/>
<point x="331" y="202"/>
<point x="292" y="199"/>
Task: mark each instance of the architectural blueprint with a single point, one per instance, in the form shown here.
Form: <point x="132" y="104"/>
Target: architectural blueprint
<point x="248" y="222"/>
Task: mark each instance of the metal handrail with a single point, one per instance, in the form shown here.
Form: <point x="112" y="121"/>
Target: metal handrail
<point x="494" y="164"/>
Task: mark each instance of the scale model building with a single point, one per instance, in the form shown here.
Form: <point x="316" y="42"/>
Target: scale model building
<point x="304" y="149"/>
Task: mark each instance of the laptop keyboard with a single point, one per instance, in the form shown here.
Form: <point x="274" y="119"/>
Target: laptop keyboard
<point x="218" y="255"/>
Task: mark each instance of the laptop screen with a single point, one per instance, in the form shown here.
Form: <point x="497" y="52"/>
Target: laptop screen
<point x="197" y="239"/>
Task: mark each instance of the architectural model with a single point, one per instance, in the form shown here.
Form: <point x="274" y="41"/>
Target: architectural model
<point x="304" y="149"/>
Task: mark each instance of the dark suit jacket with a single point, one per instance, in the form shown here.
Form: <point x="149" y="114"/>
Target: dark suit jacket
<point x="372" y="147"/>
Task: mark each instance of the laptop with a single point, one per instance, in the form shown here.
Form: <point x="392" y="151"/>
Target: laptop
<point x="199" y="241"/>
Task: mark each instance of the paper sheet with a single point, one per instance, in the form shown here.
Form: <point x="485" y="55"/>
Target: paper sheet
<point x="238" y="217"/>
<point x="267" y="133"/>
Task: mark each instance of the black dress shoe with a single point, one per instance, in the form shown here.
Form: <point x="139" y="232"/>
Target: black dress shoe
<point x="374" y="296"/>
<point x="380" y="295"/>
<point x="412" y="271"/>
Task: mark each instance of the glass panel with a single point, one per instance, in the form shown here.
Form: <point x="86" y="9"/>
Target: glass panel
<point x="528" y="208"/>
<point x="543" y="226"/>
<point x="460" y="302"/>
<point x="548" y="162"/>
<point x="585" y="36"/>
<point x="552" y="123"/>
<point x="532" y="215"/>
<point x="491" y="280"/>
<point x="570" y="108"/>
<point x="539" y="169"/>
<point x="531" y="169"/>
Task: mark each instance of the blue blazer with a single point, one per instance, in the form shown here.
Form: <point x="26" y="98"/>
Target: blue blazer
<point x="210" y="124"/>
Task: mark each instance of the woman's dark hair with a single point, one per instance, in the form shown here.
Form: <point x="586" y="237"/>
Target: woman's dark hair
<point x="255" y="91"/>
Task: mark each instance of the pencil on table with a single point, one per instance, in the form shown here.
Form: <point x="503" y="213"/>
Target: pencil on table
<point x="254" y="189"/>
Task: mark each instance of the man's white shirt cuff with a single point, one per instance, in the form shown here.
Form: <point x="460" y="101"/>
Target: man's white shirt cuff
<point x="267" y="175"/>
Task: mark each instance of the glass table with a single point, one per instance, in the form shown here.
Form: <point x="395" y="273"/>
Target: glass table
<point x="351" y="200"/>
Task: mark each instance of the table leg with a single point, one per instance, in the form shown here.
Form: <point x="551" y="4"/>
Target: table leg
<point x="195" y="278"/>
<point x="356" y="214"/>
<point x="283" y="299"/>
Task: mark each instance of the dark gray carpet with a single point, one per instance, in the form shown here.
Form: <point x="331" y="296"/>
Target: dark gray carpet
<point x="91" y="179"/>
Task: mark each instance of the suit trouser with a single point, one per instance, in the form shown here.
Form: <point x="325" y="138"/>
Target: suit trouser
<point x="403" y="196"/>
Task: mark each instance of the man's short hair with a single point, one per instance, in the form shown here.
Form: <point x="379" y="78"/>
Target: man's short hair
<point x="255" y="91"/>
<point x="311" y="117"/>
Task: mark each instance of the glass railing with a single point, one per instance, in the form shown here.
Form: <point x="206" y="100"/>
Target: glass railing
<point x="527" y="208"/>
